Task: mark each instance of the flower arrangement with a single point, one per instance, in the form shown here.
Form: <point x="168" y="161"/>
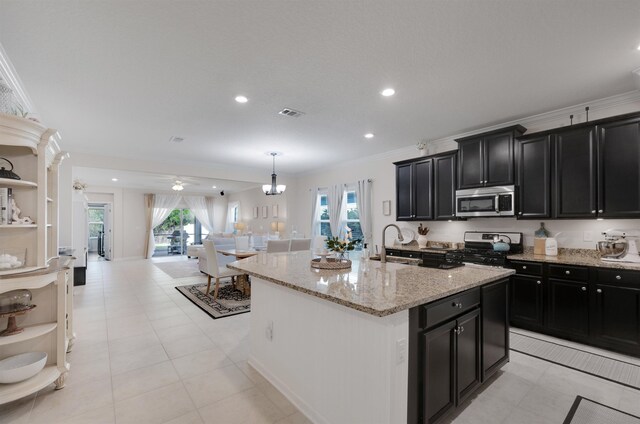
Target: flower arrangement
<point x="341" y="246"/>
<point x="79" y="185"/>
<point x="421" y="145"/>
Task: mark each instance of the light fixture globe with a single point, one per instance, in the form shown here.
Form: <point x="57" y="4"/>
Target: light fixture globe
<point x="274" y="188"/>
<point x="178" y="186"/>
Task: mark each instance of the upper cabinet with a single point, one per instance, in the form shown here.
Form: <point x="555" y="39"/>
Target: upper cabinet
<point x="425" y="187"/>
<point x="619" y="169"/>
<point x="414" y="187"/>
<point x="594" y="171"/>
<point x="487" y="159"/>
<point x="533" y="176"/>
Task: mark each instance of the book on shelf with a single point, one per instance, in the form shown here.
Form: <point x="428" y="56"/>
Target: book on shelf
<point x="6" y="212"/>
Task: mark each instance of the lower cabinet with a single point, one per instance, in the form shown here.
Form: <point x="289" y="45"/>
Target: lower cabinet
<point x="568" y="307"/>
<point x="592" y="305"/>
<point x="455" y="344"/>
<point x="617" y="316"/>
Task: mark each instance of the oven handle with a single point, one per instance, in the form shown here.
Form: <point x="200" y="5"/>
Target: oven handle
<point x="497" y="203"/>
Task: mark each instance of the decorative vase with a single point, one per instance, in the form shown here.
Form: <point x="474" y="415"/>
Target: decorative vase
<point x="422" y="241"/>
<point x="342" y="256"/>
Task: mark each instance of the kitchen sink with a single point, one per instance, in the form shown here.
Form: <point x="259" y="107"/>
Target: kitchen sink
<point x="398" y="260"/>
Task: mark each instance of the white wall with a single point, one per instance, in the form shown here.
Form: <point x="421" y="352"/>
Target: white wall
<point x="380" y="168"/>
<point x="249" y="199"/>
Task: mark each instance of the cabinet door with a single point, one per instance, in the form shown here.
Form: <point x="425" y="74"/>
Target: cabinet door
<point x="575" y="173"/>
<point x="619" y="169"/>
<point x="534" y="177"/>
<point x="423" y="183"/>
<point x="467" y="355"/>
<point x="568" y="307"/>
<point x="404" y="188"/>
<point x="617" y="315"/>
<point x="525" y="306"/>
<point x="445" y="186"/>
<point x="495" y="328"/>
<point x="438" y="377"/>
<point x="470" y="165"/>
<point x="498" y="159"/>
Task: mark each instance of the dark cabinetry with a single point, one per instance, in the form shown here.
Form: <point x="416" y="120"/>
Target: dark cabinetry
<point x="619" y="169"/>
<point x="585" y="171"/>
<point x="575" y="173"/>
<point x="487" y="159"/>
<point x="414" y="182"/>
<point x="425" y="188"/>
<point x="455" y="344"/>
<point x="533" y="177"/>
<point x="597" y="306"/>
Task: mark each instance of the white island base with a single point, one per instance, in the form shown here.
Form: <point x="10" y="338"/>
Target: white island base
<point x="335" y="364"/>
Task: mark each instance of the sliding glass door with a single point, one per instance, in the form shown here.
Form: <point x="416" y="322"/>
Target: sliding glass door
<point x="180" y="229"/>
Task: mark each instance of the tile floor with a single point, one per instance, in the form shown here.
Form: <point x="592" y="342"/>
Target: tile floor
<point x="145" y="354"/>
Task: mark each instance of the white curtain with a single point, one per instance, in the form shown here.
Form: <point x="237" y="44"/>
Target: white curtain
<point x="363" y="197"/>
<point x="199" y="207"/>
<point x="337" y="209"/>
<point x="230" y="218"/>
<point x="162" y="206"/>
<point x="315" y="192"/>
<point x="211" y="205"/>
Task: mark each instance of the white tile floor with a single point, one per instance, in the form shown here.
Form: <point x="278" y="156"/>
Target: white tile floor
<point x="145" y="354"/>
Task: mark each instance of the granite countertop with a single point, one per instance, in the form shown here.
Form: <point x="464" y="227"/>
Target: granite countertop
<point x="369" y="286"/>
<point x="584" y="257"/>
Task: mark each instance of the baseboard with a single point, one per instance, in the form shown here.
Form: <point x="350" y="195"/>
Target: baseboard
<point x="306" y="409"/>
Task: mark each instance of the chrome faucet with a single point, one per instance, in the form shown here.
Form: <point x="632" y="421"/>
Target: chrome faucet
<point x="383" y="251"/>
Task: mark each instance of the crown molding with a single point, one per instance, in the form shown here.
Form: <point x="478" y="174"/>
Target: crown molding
<point x="10" y="76"/>
<point x="600" y="108"/>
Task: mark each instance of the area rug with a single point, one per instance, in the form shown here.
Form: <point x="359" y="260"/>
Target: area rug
<point x="587" y="411"/>
<point x="180" y="268"/>
<point x="229" y="302"/>
<point x="621" y="372"/>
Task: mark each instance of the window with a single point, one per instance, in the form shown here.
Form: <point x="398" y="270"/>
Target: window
<point x="353" y="216"/>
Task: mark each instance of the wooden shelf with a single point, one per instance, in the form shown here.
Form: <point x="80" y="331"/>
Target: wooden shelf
<point x="29" y="333"/>
<point x="11" y="392"/>
<point x="15" y="226"/>
<point x="8" y="182"/>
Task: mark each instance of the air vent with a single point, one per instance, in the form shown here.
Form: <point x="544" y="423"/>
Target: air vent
<point x="175" y="139"/>
<point x="290" y="112"/>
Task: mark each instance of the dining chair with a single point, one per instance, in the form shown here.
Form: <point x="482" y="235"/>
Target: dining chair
<point x="274" y="246"/>
<point x="242" y="243"/>
<point x="214" y="270"/>
<point x="258" y="242"/>
<point x="300" y="244"/>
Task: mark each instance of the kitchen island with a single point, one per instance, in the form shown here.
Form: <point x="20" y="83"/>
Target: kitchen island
<point x="339" y="344"/>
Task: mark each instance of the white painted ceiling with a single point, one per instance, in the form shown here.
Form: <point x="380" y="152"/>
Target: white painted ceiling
<point x="120" y="78"/>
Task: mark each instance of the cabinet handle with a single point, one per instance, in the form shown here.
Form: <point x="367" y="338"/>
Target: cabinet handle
<point x="593" y="211"/>
<point x="457" y="305"/>
<point x="519" y="213"/>
<point x="618" y="277"/>
<point x="461" y="329"/>
<point x="524" y="267"/>
<point x="600" y="211"/>
<point x="583" y="288"/>
<point x="538" y="282"/>
<point x="599" y="291"/>
<point x="567" y="272"/>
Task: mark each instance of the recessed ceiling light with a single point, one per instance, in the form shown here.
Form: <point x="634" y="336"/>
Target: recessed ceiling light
<point x="241" y="99"/>
<point x="214" y="187"/>
<point x="114" y="179"/>
<point x="388" y="92"/>
<point x="368" y="135"/>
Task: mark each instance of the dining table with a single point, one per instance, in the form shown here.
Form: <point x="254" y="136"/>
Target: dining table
<point x="242" y="281"/>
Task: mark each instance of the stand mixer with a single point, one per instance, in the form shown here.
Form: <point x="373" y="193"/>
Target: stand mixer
<point x="620" y="246"/>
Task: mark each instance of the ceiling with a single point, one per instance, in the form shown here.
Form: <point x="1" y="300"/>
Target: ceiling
<point x="119" y="78"/>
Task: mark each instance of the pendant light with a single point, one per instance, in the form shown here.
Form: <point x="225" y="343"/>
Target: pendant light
<point x="273" y="188"/>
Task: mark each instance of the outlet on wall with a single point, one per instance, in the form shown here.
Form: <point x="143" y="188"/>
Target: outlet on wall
<point x="401" y="350"/>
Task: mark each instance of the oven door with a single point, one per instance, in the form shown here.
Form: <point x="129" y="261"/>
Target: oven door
<point x="477" y="205"/>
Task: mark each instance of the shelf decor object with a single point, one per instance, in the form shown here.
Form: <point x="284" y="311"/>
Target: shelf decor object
<point x="12" y="259"/>
<point x="330" y="263"/>
<point x="15" y="369"/>
<point x="12" y="327"/>
<point x="8" y="173"/>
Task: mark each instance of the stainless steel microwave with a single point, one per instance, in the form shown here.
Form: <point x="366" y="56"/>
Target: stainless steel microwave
<point x="486" y="201"/>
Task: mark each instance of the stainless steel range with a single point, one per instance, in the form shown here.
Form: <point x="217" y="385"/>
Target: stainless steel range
<point x="479" y="247"/>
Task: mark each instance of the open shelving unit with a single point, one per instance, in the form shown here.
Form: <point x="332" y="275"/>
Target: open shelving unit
<point x="34" y="151"/>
